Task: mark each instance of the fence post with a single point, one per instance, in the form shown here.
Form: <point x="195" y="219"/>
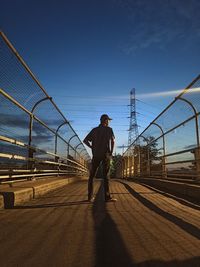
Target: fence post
<point x="164" y="173"/>
<point x="56" y="138"/>
<point x="146" y="153"/>
<point x="69" y="143"/>
<point x="148" y="162"/>
<point x="197" y="150"/>
<point x="76" y="149"/>
<point x="31" y="150"/>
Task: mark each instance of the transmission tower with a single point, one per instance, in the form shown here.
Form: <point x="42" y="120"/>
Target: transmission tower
<point x="133" y="129"/>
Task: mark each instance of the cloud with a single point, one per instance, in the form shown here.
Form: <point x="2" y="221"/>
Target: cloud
<point x="17" y="127"/>
<point x="110" y="98"/>
<point x="160" y="23"/>
<point x="14" y="124"/>
<point x="168" y="93"/>
<point x="155" y="94"/>
<point x="14" y="120"/>
<point x="23" y="121"/>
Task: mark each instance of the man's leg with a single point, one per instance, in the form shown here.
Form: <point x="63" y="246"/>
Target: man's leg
<point x="95" y="165"/>
<point x="106" y="169"/>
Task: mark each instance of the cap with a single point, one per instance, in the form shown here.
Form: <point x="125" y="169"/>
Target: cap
<point x="105" y="117"/>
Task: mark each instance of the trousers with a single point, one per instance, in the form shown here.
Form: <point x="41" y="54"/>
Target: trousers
<point x="105" y="169"/>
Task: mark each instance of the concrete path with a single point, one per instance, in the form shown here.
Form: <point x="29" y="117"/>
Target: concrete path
<point x="143" y="228"/>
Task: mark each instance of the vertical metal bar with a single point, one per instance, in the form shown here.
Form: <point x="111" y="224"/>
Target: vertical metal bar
<point x="76" y="149"/>
<point x="197" y="152"/>
<point x="56" y="137"/>
<point x="164" y="173"/>
<point x="69" y="143"/>
<point x="148" y="155"/>
<point x="139" y="161"/>
<point x="196" y="116"/>
<point x="30" y="149"/>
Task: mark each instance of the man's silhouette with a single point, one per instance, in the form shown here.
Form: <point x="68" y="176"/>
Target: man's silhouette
<point x="101" y="140"/>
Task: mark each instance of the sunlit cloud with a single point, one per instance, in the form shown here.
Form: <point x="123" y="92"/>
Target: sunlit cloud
<point x="104" y="99"/>
<point x="155" y="94"/>
<point x="168" y="93"/>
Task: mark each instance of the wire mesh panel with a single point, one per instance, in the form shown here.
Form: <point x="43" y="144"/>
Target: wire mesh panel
<point x="15" y="79"/>
<point x="42" y="138"/>
<point x="192" y="93"/>
<point x="182" y="138"/>
<point x="14" y="121"/>
<point x="177" y="113"/>
<point x="172" y="140"/>
<point x="34" y="134"/>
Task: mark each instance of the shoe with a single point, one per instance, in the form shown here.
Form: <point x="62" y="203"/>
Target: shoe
<point x="91" y="199"/>
<point x="111" y="199"/>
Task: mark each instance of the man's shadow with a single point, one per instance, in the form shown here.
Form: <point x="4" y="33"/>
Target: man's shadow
<point x="110" y="248"/>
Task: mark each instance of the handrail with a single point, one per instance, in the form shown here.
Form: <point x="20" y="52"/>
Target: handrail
<point x="33" y="116"/>
<point x="14" y="141"/>
<point x="23" y="93"/>
<point x="162" y="140"/>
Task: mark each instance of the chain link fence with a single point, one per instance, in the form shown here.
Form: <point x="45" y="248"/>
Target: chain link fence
<point x="35" y="137"/>
<point x="169" y="146"/>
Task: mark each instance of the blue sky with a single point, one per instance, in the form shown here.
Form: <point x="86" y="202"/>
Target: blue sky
<point x="88" y="55"/>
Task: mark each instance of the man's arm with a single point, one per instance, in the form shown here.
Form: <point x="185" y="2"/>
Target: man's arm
<point x="112" y="144"/>
<point x="88" y="139"/>
<point x="85" y="141"/>
<point x="112" y="141"/>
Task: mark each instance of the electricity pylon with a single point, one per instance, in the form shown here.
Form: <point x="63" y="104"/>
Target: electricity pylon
<point x="133" y="128"/>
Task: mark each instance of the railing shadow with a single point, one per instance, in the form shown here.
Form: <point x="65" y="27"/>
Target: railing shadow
<point x="186" y="226"/>
<point x="193" y="262"/>
<point x="52" y="205"/>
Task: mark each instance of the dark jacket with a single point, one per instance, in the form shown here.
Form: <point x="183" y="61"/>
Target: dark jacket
<point x="100" y="137"/>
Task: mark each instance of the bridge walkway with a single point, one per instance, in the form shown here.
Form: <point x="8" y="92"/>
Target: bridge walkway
<point x="143" y="228"/>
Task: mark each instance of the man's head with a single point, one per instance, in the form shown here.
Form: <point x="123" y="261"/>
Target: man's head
<point x="105" y="119"/>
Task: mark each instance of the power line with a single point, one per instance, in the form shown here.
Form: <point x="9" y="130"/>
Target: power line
<point x="148" y="111"/>
<point x="92" y="105"/>
<point x="147" y="103"/>
<point x="96" y="97"/>
<point x="99" y="111"/>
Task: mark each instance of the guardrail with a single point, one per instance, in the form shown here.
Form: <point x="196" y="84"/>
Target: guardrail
<point x="169" y="146"/>
<point x="36" y="139"/>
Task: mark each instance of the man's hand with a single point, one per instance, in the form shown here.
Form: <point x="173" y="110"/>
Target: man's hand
<point x="85" y="141"/>
<point x="112" y="145"/>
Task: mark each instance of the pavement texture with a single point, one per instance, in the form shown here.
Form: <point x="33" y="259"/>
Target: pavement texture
<point x="189" y="189"/>
<point x="13" y="194"/>
<point x="144" y="227"/>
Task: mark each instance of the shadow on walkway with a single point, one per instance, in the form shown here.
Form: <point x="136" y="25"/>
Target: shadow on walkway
<point x="185" y="200"/>
<point x="191" y="229"/>
<point x="52" y="205"/>
<point x="110" y="248"/>
<point x="193" y="262"/>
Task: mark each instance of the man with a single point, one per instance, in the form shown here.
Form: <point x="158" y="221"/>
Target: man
<point x="101" y="140"/>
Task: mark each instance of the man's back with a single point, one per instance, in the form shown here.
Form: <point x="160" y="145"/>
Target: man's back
<point x="100" y="137"/>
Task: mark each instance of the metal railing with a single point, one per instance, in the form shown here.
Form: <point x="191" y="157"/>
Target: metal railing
<point x="169" y="146"/>
<point x="36" y="139"/>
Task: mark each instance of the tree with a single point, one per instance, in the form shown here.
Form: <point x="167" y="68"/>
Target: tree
<point x="116" y="161"/>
